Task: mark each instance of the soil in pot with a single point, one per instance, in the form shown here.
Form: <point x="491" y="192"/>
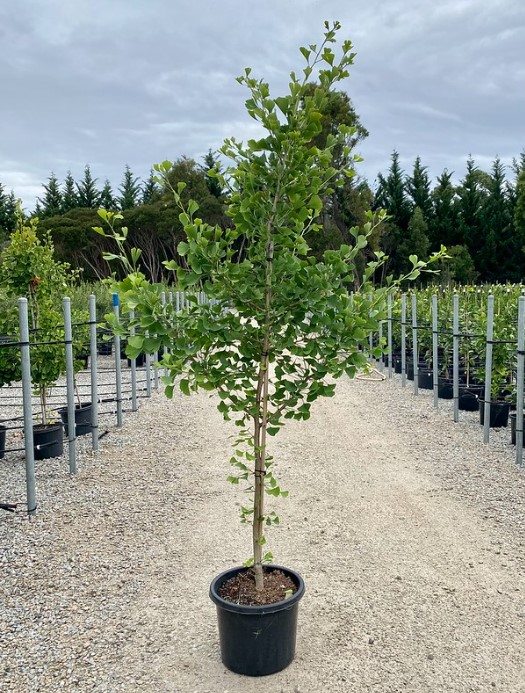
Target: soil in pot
<point x="82" y="419"/>
<point x="48" y="441"/>
<point x="499" y="413"/>
<point x="3" y="430"/>
<point x="257" y="639"/>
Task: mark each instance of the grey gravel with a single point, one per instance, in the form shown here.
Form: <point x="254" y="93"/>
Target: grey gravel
<point x="409" y="532"/>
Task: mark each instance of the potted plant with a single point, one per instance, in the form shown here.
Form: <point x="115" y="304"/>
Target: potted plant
<point x="28" y="268"/>
<point x="279" y="327"/>
<point x="83" y="410"/>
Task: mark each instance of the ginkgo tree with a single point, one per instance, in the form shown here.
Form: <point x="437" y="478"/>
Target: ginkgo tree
<point x="278" y="326"/>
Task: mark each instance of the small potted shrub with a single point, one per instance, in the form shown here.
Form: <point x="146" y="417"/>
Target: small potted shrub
<point x="28" y="269"/>
<point x="280" y="325"/>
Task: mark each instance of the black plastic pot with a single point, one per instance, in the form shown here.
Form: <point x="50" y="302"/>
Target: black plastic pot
<point x="469" y="396"/>
<point x="499" y="414"/>
<point x="82" y="419"/>
<point x="84" y="357"/>
<point x="105" y="348"/>
<point x="445" y="388"/>
<point x="397" y="364"/>
<point x="425" y="379"/>
<point x="48" y="441"/>
<point x="139" y="361"/>
<point x="3" y="429"/>
<point x="257" y="640"/>
<point x="513" y="426"/>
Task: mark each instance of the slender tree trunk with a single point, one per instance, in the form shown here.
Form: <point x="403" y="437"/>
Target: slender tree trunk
<point x="260" y="426"/>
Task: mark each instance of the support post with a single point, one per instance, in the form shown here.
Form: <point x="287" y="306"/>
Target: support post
<point x="28" y="411"/>
<point x="455" y="356"/>
<point x="118" y="369"/>
<point x="435" y="350"/>
<point x="520" y="375"/>
<point x="488" y="368"/>
<point x="93" y="364"/>
<point x="70" y="386"/>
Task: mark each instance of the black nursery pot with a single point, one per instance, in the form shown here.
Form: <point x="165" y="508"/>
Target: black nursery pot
<point x="257" y="640"/>
<point x="105" y="348"/>
<point x="469" y="396"/>
<point x="425" y="378"/>
<point x="3" y="430"/>
<point x="512" y="427"/>
<point x="139" y="361"/>
<point x="82" y="419"/>
<point x="48" y="441"/>
<point x="445" y="388"/>
<point x="499" y="414"/>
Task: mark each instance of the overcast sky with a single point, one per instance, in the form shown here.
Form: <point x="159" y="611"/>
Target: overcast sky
<point x="115" y="82"/>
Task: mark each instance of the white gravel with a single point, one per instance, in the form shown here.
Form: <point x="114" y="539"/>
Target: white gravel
<point x="409" y="532"/>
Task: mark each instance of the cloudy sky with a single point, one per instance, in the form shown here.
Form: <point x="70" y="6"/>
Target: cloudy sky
<point x="115" y="82"/>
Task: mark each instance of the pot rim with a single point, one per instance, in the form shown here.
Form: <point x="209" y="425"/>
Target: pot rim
<point x="255" y="609"/>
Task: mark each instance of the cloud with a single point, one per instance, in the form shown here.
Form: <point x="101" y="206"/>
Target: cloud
<point x="119" y="82"/>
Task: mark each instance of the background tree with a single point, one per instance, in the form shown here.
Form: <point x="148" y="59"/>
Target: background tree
<point x="69" y="193"/>
<point x="418" y="190"/>
<point x="415" y="242"/>
<point x="519" y="228"/>
<point x="391" y="196"/>
<point x="129" y="190"/>
<point x="88" y="195"/>
<point x="52" y="202"/>
<point x="444" y="228"/>
<point x="494" y="259"/>
<point x="211" y="162"/>
<point x="150" y="191"/>
<point x="107" y="199"/>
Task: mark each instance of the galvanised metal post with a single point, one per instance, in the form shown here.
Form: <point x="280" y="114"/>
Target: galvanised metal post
<point x="403" y="340"/>
<point x="455" y="355"/>
<point x="520" y="374"/>
<point x="488" y="368"/>
<point x="389" y="331"/>
<point x="133" y="368"/>
<point x="70" y="385"/>
<point x="118" y="369"/>
<point x="148" y="370"/>
<point x="380" y="338"/>
<point x="415" y="348"/>
<point x="28" y="411"/>
<point x="177" y="301"/>
<point x="164" y="348"/>
<point x="435" y="349"/>
<point x="94" y="383"/>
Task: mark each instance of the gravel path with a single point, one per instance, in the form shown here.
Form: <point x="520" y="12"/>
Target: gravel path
<point x="409" y="532"/>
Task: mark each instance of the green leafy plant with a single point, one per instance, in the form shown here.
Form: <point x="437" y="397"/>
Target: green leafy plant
<point x="279" y="325"/>
<point x="28" y="268"/>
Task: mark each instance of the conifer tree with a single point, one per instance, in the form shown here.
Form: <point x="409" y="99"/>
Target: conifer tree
<point x="129" y="190"/>
<point x="496" y="261"/>
<point x="69" y="194"/>
<point x="11" y="212"/>
<point x="415" y="241"/>
<point x="210" y="163"/>
<point x="418" y="190"/>
<point x="519" y="227"/>
<point x="391" y="196"/>
<point x="149" y="189"/>
<point x="107" y="199"/>
<point x="470" y="204"/>
<point x="443" y="229"/>
<point x="52" y="201"/>
<point x="88" y="195"/>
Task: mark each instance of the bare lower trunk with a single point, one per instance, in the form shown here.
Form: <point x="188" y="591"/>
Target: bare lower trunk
<point x="260" y="426"/>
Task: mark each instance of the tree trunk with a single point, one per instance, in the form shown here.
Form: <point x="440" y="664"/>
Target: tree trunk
<point x="260" y="426"/>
